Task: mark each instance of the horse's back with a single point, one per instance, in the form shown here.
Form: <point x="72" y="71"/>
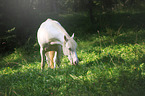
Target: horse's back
<point x="50" y="29"/>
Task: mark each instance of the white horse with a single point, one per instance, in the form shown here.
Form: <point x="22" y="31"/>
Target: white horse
<point x="51" y="38"/>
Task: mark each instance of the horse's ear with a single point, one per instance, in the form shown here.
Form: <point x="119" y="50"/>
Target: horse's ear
<point x="72" y="35"/>
<point x="65" y="38"/>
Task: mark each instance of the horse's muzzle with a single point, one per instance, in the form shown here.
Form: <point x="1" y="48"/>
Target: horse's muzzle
<point x="76" y="62"/>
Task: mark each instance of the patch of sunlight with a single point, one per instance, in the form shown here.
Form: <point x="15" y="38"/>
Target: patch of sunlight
<point x="11" y="57"/>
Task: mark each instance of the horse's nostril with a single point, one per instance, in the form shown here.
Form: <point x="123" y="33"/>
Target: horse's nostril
<point x="76" y="62"/>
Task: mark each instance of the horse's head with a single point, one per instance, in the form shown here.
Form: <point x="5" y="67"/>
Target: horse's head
<point x="69" y="49"/>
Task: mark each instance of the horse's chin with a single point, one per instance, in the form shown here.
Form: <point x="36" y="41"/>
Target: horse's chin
<point x="75" y="64"/>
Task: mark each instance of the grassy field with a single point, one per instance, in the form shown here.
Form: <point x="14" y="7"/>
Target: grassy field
<point x="112" y="63"/>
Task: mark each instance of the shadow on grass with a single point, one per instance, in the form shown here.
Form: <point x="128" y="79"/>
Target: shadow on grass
<point x="131" y="38"/>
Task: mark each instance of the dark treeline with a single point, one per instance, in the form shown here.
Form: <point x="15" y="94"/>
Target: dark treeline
<point x="20" y="19"/>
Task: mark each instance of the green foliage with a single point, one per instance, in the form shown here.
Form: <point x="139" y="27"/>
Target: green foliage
<point x="112" y="60"/>
<point x="107" y="66"/>
<point x="20" y="19"/>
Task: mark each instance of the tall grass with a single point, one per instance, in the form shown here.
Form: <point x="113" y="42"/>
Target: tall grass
<point x="110" y="65"/>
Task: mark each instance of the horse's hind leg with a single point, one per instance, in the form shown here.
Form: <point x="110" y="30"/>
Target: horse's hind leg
<point x="51" y="56"/>
<point x="42" y="52"/>
<point x="47" y="58"/>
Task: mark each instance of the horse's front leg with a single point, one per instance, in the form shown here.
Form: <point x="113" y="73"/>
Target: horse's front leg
<point x="58" y="56"/>
<point x="42" y="52"/>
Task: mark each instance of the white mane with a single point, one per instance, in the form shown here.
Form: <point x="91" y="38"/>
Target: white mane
<point x="58" y="25"/>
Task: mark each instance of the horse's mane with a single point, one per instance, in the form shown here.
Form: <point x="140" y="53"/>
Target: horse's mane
<point x="58" y="25"/>
<point x="63" y="31"/>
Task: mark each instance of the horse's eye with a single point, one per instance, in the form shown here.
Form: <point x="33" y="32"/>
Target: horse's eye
<point x="69" y="49"/>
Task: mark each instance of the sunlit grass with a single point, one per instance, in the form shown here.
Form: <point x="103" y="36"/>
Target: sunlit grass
<point x="104" y="69"/>
<point x="110" y="65"/>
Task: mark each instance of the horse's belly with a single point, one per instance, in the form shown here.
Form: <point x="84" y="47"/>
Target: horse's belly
<point x="52" y="48"/>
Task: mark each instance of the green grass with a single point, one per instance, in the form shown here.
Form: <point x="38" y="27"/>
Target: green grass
<point x="110" y="65"/>
<point x="113" y="69"/>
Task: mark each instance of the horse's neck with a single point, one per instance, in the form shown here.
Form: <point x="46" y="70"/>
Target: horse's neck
<point x="63" y="31"/>
<point x="59" y="27"/>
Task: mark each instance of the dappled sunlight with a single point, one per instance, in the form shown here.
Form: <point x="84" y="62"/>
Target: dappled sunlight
<point x="111" y="53"/>
<point x="103" y="66"/>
